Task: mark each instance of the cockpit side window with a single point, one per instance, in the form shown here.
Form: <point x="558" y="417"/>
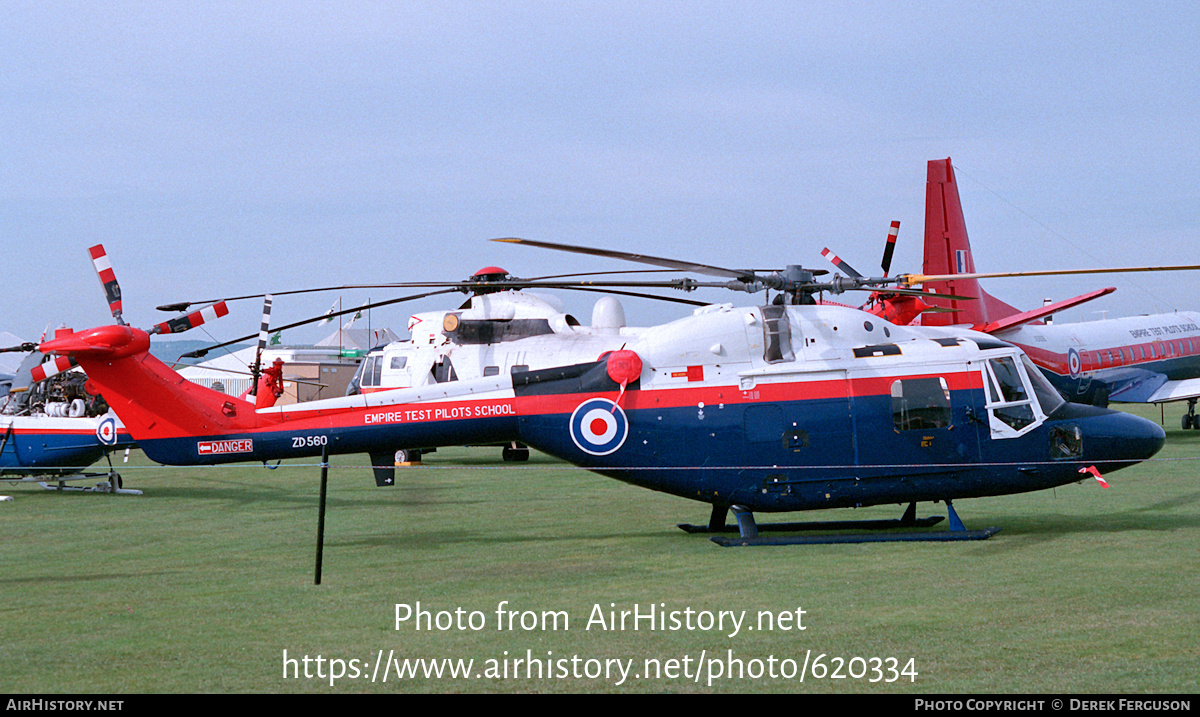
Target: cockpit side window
<point x="1012" y="409"/>
<point x="367" y="374"/>
<point x="1005" y="371"/>
<point x="1047" y="395"/>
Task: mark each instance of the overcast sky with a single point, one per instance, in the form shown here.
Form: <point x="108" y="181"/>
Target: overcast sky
<point x="225" y="148"/>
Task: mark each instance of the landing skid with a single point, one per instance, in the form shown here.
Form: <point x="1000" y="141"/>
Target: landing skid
<point x="748" y="530"/>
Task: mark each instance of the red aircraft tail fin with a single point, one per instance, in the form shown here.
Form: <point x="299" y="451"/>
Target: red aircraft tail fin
<point x="947" y="251"/>
<point x="152" y="400"/>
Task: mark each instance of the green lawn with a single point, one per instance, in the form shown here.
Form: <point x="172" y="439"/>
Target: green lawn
<point x="204" y="582"/>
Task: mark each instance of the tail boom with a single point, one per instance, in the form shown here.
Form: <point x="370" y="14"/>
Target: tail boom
<point x="177" y="422"/>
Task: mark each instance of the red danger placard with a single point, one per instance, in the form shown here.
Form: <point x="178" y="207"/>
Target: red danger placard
<point x="210" y="448"/>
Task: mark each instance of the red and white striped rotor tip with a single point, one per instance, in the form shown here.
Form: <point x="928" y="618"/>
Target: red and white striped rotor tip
<point x="53" y="367"/>
<point x="192" y="320"/>
<point x="108" y="279"/>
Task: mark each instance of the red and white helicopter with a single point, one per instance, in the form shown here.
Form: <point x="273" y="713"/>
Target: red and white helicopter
<point x="785" y="406"/>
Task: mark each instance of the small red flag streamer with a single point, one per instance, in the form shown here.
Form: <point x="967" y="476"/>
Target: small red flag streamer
<point x="1095" y="474"/>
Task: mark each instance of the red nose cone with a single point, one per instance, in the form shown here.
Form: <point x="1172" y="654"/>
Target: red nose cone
<point x="624" y="366"/>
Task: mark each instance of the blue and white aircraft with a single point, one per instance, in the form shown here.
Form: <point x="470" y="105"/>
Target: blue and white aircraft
<point x="787" y="406"/>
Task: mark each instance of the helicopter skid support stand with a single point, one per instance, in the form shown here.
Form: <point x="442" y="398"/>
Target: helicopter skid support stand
<point x="112" y="485"/>
<point x="748" y="530"/>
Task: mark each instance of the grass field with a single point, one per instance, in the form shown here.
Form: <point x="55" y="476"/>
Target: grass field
<point x="204" y="582"/>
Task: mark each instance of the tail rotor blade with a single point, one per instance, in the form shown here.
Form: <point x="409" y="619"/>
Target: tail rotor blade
<point x="264" y="331"/>
<point x="108" y="279"/>
<point x="889" y="247"/>
<point x="53" y="367"/>
<point x="192" y="320"/>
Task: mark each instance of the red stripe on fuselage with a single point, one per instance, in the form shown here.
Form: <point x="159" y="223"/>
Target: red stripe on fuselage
<point x="1098" y="359"/>
<point x="548" y="404"/>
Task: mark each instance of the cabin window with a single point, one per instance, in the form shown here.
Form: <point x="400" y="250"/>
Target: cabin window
<point x="1142" y="349"/>
<point x="443" y="371"/>
<point x="777" y="334"/>
<point x="519" y="368"/>
<point x="920" y="403"/>
<point x="491" y="370"/>
<point x="399" y="362"/>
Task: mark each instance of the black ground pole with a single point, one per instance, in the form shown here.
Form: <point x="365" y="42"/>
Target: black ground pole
<point x="321" y="515"/>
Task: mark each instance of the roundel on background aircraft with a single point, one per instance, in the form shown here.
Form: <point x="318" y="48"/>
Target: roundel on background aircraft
<point x="1074" y="364"/>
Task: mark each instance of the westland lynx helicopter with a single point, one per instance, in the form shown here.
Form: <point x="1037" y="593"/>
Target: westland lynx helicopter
<point x="787" y="406"/>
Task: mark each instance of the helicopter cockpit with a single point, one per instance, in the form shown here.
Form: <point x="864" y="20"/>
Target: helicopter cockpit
<point x="1018" y="396"/>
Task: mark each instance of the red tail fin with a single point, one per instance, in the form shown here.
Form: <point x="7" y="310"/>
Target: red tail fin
<point x="947" y="251"/>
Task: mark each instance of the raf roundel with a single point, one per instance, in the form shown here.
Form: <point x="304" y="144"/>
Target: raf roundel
<point x="107" y="431"/>
<point x="599" y="426"/>
<point x="1074" y="365"/>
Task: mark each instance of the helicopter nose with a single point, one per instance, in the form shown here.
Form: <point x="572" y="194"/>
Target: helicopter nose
<point x="1114" y="439"/>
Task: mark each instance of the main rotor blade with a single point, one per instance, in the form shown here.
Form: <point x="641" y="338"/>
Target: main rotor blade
<point x="840" y="263"/>
<point x="201" y="352"/>
<point x="673" y="299"/>
<point x="747" y="276"/>
<point x="911" y="279"/>
<point x="183" y="305"/>
<point x="597" y="273"/>
<point x="917" y="292"/>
